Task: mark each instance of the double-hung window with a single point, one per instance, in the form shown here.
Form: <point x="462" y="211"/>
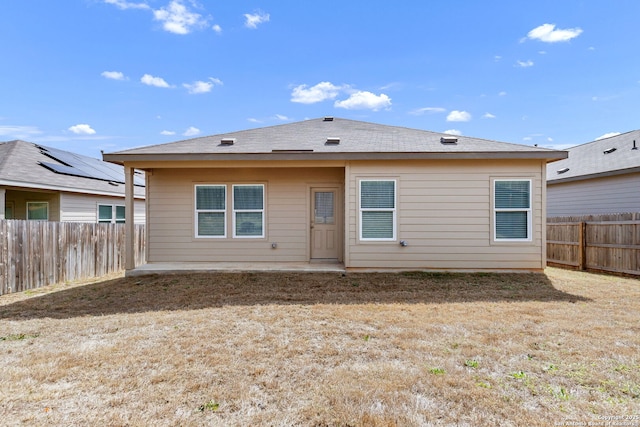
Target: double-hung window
<point x="38" y="211"/>
<point x="248" y="210"/>
<point x="211" y="210"/>
<point x="512" y="209"/>
<point x="377" y="209"/>
<point x="111" y="214"/>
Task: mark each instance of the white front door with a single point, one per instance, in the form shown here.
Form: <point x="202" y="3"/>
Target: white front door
<point x="325" y="238"/>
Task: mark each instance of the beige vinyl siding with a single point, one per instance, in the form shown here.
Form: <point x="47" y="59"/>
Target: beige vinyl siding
<point x="20" y="198"/>
<point x="171" y="228"/>
<point x="445" y="216"/>
<point x="84" y="207"/>
<point x="614" y="194"/>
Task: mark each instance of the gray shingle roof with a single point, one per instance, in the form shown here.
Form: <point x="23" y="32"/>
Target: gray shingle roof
<point x="308" y="139"/>
<point x="596" y="159"/>
<point x="21" y="165"/>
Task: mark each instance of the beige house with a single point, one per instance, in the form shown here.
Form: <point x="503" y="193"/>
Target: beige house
<point x="362" y="195"/>
<point x="47" y="184"/>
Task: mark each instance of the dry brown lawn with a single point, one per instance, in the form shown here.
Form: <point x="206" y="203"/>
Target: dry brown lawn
<point x="323" y="350"/>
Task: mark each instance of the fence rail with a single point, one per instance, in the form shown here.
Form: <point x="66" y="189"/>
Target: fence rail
<point x="40" y="253"/>
<point x="596" y="242"/>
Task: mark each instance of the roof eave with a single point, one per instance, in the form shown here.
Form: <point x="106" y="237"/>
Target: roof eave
<point x="594" y="175"/>
<point x="121" y="158"/>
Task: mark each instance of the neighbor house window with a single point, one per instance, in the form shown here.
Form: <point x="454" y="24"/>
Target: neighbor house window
<point x="512" y="209"/>
<point x="248" y="210"/>
<point x="111" y="214"/>
<point x="211" y="210"/>
<point x="377" y="209"/>
<point x="38" y="211"/>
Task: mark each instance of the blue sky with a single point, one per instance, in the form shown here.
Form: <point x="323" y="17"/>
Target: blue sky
<point x="91" y="75"/>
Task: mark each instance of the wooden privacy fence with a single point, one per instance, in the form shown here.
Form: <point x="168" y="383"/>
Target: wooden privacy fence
<point x="40" y="253"/>
<point x="595" y="242"/>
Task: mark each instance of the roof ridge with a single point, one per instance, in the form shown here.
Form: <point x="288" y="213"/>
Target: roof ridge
<point x="12" y="147"/>
<point x="603" y="139"/>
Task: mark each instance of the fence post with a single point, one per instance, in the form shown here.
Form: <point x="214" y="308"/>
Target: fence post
<point x="582" y="246"/>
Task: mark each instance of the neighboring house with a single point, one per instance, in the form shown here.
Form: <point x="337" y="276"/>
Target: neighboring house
<point x="42" y="183"/>
<point x="366" y="195"/>
<point x="599" y="177"/>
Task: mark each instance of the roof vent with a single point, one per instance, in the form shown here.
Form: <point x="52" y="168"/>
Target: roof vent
<point x="227" y="141"/>
<point x="448" y="140"/>
<point x="610" y="150"/>
<point x="333" y="141"/>
<point x="563" y="170"/>
<point x="327" y="119"/>
<point x="635" y="147"/>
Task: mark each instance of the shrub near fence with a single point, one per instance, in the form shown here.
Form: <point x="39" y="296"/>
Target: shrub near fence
<point x="595" y="242"/>
<point x="40" y="253"/>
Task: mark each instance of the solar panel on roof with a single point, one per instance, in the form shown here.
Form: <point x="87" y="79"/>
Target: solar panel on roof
<point x="64" y="170"/>
<point x="86" y="167"/>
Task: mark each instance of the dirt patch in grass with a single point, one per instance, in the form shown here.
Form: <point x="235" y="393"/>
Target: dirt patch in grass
<point x="323" y="349"/>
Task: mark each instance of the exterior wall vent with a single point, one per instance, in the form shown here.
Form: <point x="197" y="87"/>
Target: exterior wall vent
<point x="610" y="150"/>
<point x="563" y="170"/>
<point x="227" y="141"/>
<point x="333" y="141"/>
<point x="327" y="119"/>
<point x="448" y="140"/>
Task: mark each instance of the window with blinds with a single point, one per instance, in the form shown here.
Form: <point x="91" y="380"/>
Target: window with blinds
<point x="377" y="210"/>
<point x="512" y="209"/>
<point x="111" y="214"/>
<point x="211" y="203"/>
<point x="248" y="210"/>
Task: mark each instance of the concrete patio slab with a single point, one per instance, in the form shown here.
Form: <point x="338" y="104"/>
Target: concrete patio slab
<point x="234" y="267"/>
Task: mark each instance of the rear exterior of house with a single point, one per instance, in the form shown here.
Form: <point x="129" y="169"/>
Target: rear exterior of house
<point x="46" y="184"/>
<point x="363" y="201"/>
<point x="599" y="177"/>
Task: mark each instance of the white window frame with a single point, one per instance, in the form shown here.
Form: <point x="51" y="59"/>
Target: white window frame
<point x="113" y="219"/>
<point x="235" y="211"/>
<point x="197" y="211"/>
<point x="393" y="210"/>
<point x="528" y="210"/>
<point x="36" y="202"/>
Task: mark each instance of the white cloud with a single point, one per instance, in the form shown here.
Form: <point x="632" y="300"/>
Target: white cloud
<point x="427" y="110"/>
<point x="363" y="100"/>
<point x="124" y="5"/>
<point x="202" y="87"/>
<point x="542" y="52"/>
<point x="503" y="93"/>
<point x="217" y="28"/>
<point x="167" y="132"/>
<point x="150" y="80"/>
<point x="489" y="116"/>
<point x="252" y="20"/>
<point x="497" y="58"/>
<point x="549" y="34"/>
<point x="527" y="138"/>
<point x="318" y="93"/>
<point x="524" y="64"/>
<point x="82" y="129"/>
<point x="453" y="132"/>
<point x="191" y="131"/>
<point x="607" y="135"/>
<point x="19" y="132"/>
<point x="281" y="117"/>
<point x="177" y="19"/>
<point x="113" y="75"/>
<point x="458" y="116"/>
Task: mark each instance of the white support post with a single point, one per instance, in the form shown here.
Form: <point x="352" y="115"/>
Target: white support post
<point x="3" y="194"/>
<point x="130" y="260"/>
